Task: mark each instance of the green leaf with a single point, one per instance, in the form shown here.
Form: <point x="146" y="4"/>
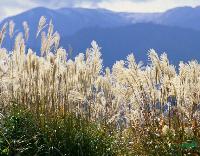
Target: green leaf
<point x="189" y="145"/>
<point x="5" y="151"/>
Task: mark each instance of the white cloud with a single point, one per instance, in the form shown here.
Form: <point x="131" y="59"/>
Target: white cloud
<point x="146" y="6"/>
<point x="13" y="7"/>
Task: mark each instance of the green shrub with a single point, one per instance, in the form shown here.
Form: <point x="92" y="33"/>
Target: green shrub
<point x="24" y="134"/>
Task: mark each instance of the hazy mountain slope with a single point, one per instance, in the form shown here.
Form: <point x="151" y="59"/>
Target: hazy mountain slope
<point x="117" y="43"/>
<point x="184" y="17"/>
<point x="68" y="20"/>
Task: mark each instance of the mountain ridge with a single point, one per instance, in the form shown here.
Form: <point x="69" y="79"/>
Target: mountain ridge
<point x="114" y="31"/>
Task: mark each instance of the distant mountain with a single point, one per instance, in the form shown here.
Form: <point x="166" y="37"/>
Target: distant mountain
<point x="176" y="31"/>
<point x="141" y="17"/>
<point x="184" y="17"/>
<point x="117" y="43"/>
<point x="69" y="20"/>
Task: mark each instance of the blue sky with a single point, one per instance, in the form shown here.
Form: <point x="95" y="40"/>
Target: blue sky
<point x="12" y="7"/>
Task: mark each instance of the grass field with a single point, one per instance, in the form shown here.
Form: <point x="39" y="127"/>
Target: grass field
<point x="52" y="105"/>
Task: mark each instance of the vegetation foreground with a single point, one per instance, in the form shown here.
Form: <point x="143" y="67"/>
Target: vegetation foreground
<point x="52" y="105"/>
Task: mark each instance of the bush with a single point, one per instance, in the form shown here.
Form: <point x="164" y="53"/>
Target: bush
<point x="24" y="134"/>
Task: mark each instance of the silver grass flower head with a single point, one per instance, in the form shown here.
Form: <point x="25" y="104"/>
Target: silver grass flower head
<point x="26" y="30"/>
<point x="61" y="54"/>
<point x="2" y="33"/>
<point x="41" y="25"/>
<point x="43" y="43"/>
<point x="4" y="58"/>
<point x="56" y="40"/>
<point x="188" y="131"/>
<point x="165" y="130"/>
<point x="50" y="30"/>
<point x="131" y="61"/>
<point x="11" y="28"/>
